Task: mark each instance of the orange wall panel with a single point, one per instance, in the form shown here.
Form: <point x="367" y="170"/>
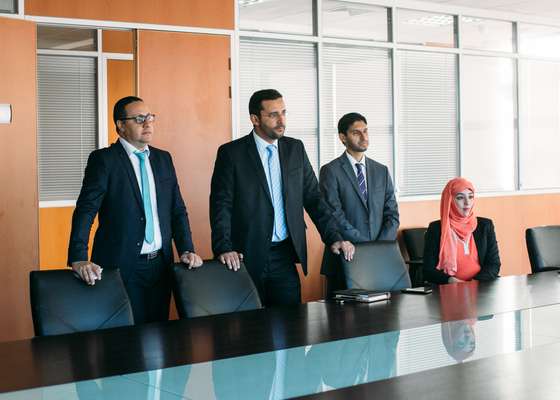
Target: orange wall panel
<point x="121" y="82"/>
<point x="185" y="79"/>
<point x="18" y="177"/>
<point x="115" y="41"/>
<point x="54" y="232"/>
<point x="197" y="13"/>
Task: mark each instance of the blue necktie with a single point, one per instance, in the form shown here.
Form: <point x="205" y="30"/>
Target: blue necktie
<point x="362" y="181"/>
<point x="280" y="231"/>
<point x="149" y="233"/>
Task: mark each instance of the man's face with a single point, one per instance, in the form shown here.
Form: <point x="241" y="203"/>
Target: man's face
<point x="356" y="138"/>
<point x="271" y="123"/>
<point x="138" y="135"/>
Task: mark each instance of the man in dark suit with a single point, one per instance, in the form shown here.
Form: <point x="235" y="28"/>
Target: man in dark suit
<point x="261" y="184"/>
<point x="360" y="191"/>
<point x="133" y="189"/>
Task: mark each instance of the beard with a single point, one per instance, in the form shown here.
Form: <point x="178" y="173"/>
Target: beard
<point x="273" y="133"/>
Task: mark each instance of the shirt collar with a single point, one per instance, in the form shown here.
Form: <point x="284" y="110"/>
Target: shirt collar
<point x="353" y="161"/>
<point x="130" y="149"/>
<point x="263" y="144"/>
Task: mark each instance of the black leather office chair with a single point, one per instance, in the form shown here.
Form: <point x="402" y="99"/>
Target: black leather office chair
<point x="543" y="246"/>
<point x="414" y="243"/>
<point x="376" y="266"/>
<point x="213" y="289"/>
<point x="62" y="303"/>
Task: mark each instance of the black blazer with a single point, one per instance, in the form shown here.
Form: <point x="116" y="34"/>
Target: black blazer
<point x="358" y="221"/>
<point x="110" y="190"/>
<point x="486" y="246"/>
<point x="241" y="211"/>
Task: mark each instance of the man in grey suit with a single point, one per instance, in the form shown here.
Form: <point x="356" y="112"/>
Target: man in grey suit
<point x="361" y="193"/>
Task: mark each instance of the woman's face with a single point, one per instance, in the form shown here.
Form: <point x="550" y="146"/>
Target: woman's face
<point x="464" y="201"/>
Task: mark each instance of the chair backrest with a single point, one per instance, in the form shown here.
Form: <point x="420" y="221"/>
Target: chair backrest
<point x="414" y="242"/>
<point x="62" y="303"/>
<point x="543" y="246"/>
<point x="376" y="266"/>
<point x="213" y="289"/>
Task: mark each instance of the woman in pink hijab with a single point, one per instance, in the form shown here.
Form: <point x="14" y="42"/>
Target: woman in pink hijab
<point x="460" y="246"/>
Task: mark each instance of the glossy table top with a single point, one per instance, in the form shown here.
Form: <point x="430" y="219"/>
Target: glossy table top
<point x="291" y="352"/>
<point x="323" y="367"/>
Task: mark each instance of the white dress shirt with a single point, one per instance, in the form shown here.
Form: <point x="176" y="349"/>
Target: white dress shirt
<point x="130" y="149"/>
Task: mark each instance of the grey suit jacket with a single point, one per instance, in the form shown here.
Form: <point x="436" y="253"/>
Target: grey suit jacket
<point x="358" y="221"/>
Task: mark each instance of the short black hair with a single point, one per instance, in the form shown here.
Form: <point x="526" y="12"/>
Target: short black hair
<point x="119" y="111"/>
<point x="347" y="120"/>
<point x="255" y="103"/>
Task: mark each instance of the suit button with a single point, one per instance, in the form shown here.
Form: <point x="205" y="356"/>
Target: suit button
<point x="138" y="244"/>
<point x="142" y="219"/>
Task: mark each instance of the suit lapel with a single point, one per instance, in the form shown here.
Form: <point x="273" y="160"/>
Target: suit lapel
<point x="283" y="157"/>
<point x="257" y="164"/>
<point x="370" y="176"/>
<point x="127" y="165"/>
<point x="155" y="164"/>
<point x="347" y="168"/>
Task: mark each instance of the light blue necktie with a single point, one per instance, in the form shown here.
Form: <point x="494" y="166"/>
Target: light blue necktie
<point x="149" y="233"/>
<point x="280" y="231"/>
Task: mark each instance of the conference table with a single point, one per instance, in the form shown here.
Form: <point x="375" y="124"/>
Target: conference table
<point x="486" y="340"/>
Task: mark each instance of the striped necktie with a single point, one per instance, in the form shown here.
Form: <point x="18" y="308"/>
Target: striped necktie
<point x="362" y="181"/>
<point x="146" y="199"/>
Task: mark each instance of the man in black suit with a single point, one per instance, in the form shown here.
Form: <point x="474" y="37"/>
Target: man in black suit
<point x="133" y="189"/>
<point x="360" y="191"/>
<point x="261" y="184"/>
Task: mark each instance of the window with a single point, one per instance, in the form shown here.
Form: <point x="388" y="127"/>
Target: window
<point x="65" y="38"/>
<point x="538" y="40"/>
<point x="67" y="123"/>
<point x="489" y="122"/>
<point x="540" y="124"/>
<point x="357" y="79"/>
<point x="8" y="6"/>
<point x="427" y="115"/>
<point x="426" y="29"/>
<point x="346" y="19"/>
<point x="428" y="119"/>
<point x="486" y="34"/>
<point x="286" y="16"/>
<point x="290" y="68"/>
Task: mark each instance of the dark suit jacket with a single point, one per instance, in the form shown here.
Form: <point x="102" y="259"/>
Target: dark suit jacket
<point x="486" y="246"/>
<point x="110" y="189"/>
<point x="241" y="211"/>
<point x="358" y="221"/>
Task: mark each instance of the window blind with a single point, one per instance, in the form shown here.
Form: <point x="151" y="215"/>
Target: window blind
<point x="428" y="125"/>
<point x="67" y="122"/>
<point x="290" y="68"/>
<point x="357" y="79"/>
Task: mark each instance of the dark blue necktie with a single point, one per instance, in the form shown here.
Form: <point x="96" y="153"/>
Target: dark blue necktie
<point x="362" y="181"/>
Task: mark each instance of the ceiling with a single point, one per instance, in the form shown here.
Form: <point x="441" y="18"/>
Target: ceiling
<point x="539" y="8"/>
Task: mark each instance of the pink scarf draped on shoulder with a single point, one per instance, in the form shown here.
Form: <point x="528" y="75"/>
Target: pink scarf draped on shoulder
<point x="452" y="220"/>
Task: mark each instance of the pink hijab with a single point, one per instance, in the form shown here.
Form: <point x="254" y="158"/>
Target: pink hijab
<point x="452" y="220"/>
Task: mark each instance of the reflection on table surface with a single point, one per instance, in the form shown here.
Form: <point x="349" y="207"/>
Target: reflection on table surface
<point x="327" y="366"/>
